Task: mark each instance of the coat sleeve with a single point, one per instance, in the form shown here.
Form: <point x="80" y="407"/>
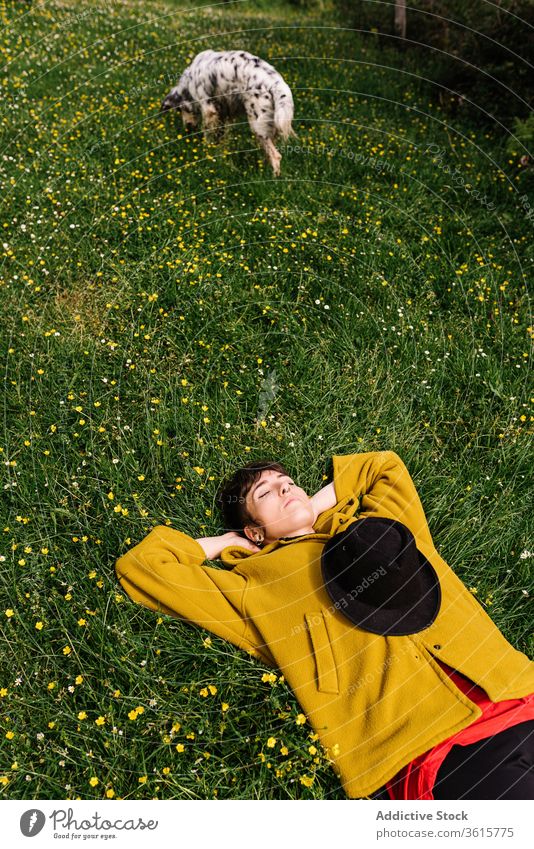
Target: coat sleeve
<point x="165" y="572"/>
<point x="385" y="487"/>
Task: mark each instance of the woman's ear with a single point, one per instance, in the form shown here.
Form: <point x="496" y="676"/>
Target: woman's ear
<point x="254" y="534"/>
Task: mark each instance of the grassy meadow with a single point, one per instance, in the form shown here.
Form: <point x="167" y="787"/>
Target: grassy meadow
<point x="169" y="310"/>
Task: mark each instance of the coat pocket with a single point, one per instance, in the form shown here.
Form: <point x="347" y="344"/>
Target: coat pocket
<point x="327" y="681"/>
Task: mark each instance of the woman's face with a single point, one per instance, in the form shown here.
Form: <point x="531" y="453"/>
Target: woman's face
<point x="279" y="508"/>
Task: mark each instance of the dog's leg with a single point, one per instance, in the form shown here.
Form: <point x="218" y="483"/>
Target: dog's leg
<point x="220" y="131"/>
<point x="260" y="122"/>
<point x="273" y="155"/>
<point x="210" y="120"/>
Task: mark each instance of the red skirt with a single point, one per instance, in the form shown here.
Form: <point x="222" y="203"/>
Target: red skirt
<point x="416" y="779"/>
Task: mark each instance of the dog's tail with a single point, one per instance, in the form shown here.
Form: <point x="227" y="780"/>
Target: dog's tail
<point x="283" y="110"/>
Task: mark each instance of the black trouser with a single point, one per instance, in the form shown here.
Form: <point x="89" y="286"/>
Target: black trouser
<point x="499" y="767"/>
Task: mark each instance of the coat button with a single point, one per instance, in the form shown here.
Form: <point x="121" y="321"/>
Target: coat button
<point x="351" y="501"/>
<point x="437" y="646"/>
<point x="341" y="521"/>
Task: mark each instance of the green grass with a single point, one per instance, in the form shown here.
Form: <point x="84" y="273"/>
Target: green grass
<point x="153" y="288"/>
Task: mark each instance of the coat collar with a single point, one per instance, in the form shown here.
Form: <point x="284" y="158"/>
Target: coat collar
<point x="234" y="554"/>
<point x="327" y="524"/>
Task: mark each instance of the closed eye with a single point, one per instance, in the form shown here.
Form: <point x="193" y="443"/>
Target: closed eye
<point x="267" y="491"/>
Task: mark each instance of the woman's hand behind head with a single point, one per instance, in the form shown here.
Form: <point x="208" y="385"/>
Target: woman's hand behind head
<point x="233" y="538"/>
<point x="213" y="546"/>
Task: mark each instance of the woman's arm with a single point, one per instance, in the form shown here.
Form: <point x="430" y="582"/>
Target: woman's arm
<point x="385" y="487"/>
<point x="165" y="572"/>
<point x="323" y="500"/>
<point x="213" y="546"/>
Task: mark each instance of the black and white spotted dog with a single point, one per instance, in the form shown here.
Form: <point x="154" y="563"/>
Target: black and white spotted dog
<point x="218" y="87"/>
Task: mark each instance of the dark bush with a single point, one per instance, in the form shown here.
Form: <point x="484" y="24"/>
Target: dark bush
<point x="477" y="50"/>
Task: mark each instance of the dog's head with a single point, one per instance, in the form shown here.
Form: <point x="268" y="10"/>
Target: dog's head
<point x="180" y="98"/>
<point x="172" y="101"/>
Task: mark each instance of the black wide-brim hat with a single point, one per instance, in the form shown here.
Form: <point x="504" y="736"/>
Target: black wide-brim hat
<point x="377" y="577"/>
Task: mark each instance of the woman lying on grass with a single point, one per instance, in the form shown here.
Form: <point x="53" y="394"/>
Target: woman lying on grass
<point x="412" y="689"/>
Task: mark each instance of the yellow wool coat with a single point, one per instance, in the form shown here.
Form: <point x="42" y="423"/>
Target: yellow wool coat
<point x="376" y="702"/>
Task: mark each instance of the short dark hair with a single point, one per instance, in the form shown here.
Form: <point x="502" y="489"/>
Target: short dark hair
<point x="233" y="492"/>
